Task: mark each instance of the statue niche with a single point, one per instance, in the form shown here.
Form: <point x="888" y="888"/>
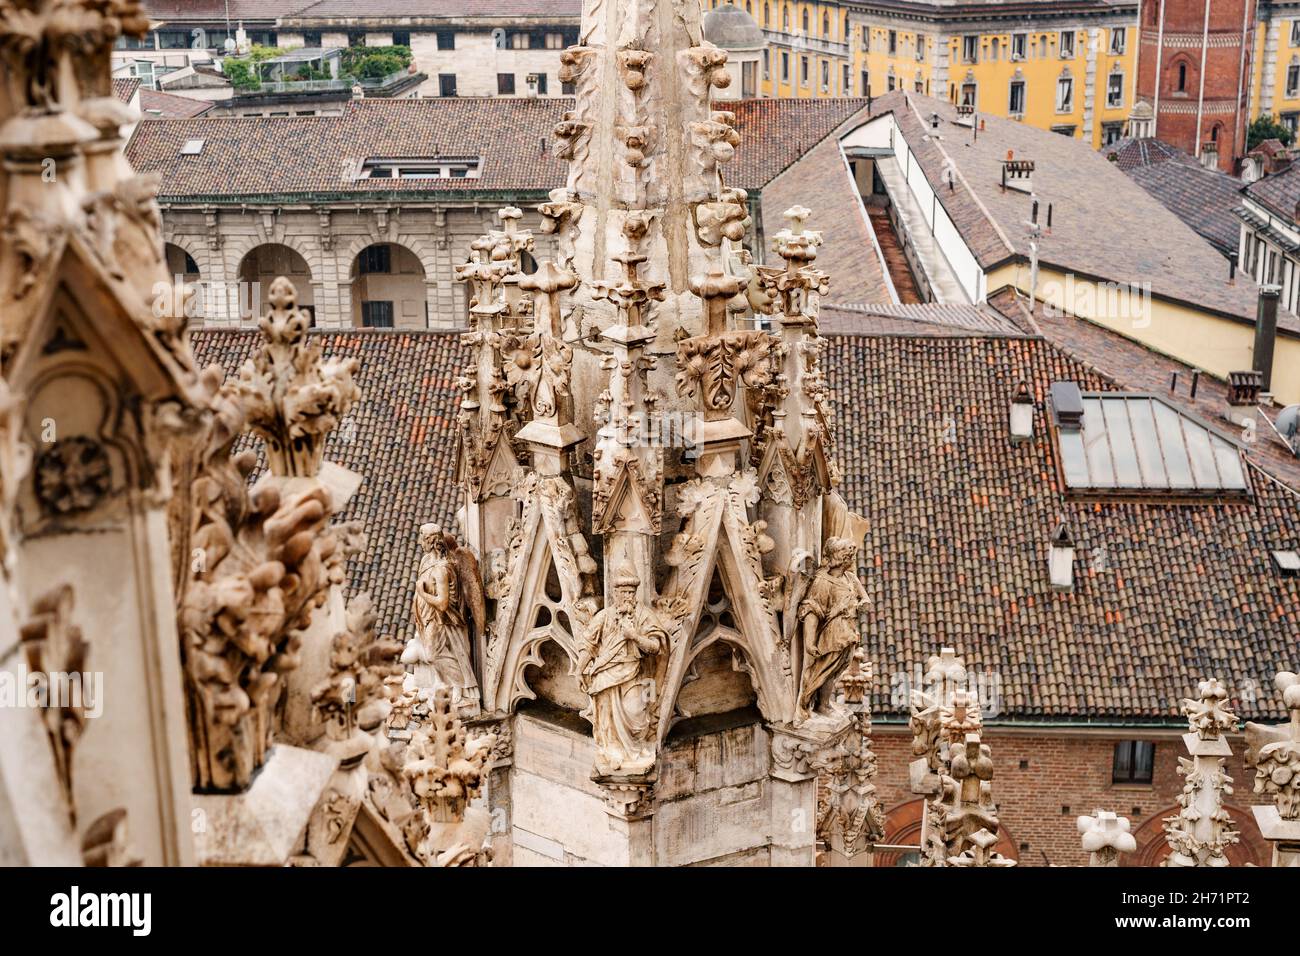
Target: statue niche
<point x="448" y="596"/>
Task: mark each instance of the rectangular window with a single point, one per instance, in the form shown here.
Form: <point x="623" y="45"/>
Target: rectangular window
<point x="1016" y="101"/>
<point x="1292" y="81"/>
<point x="846" y="80"/>
<point x="1118" y="38"/>
<point x="1019" y="42"/>
<point x="892" y="84"/>
<point x="1067" y="46"/>
<point x="519" y="41"/>
<point x="505" y="84"/>
<point x="826" y="76"/>
<point x="748" y="79"/>
<point x="767" y="64"/>
<point x="1115" y="90"/>
<point x="1064" y="95"/>
<point x="866" y="84"/>
<point x="920" y="48"/>
<point x="312" y="39"/>
<point x="446" y="40"/>
<point x="970" y="49"/>
<point x="785" y="67"/>
<point x="1111" y="133"/>
<point x="1295" y="32"/>
<point x="968" y="94"/>
<point x="1291" y="121"/>
<point x="1064" y="131"/>
<point x="538" y="80"/>
<point x="375" y="260"/>
<point x="1134" y="761"/>
<point x="446" y="84"/>
<point x="377" y="315"/>
<point x="893" y="41"/>
<point x="866" y="39"/>
<point x="401" y="38"/>
<point x="803" y="71"/>
<point x="555" y="41"/>
<point x="356" y="39"/>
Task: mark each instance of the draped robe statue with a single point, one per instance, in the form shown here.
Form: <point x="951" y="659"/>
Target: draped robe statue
<point x="620" y="668"/>
<point x="828" y="616"/>
<point x="440" y="649"/>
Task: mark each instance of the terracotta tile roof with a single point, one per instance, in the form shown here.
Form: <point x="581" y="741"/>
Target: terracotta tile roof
<point x="363" y="9"/>
<point x="124" y="87"/>
<point x="959" y="522"/>
<point x="1202" y="198"/>
<point x="246" y="157"/>
<point x="929" y="318"/>
<point x="960" y="518"/>
<point x="821" y="182"/>
<point x="1104" y="224"/>
<point x="156" y="105"/>
<point x="1279" y="193"/>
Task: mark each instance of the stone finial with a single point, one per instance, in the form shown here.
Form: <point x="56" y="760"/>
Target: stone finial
<point x="1105" y="836"/>
<point x="1207" y="714"/>
<point x="294" y="397"/>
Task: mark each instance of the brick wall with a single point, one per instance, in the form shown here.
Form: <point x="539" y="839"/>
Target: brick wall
<point x="1038" y="776"/>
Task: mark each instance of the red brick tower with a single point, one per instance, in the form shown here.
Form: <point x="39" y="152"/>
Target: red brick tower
<point x="1194" y="66"/>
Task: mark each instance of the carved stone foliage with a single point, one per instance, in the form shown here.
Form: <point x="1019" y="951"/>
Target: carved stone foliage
<point x="56" y="651"/>
<point x="1275" y="752"/>
<point x="1207" y="714"/>
<point x="355" y="695"/>
<point x="446" y="770"/>
<point x="849" y="813"/>
<point x="293" y="396"/>
<point x="260" y="560"/>
<point x="1202" y="830"/>
<point x="1105" y="836"/>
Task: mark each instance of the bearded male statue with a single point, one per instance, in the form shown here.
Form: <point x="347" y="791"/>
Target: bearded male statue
<point x="621" y="668"/>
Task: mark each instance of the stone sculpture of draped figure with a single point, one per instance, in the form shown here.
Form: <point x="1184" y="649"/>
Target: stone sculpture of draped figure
<point x="828" y="616"/>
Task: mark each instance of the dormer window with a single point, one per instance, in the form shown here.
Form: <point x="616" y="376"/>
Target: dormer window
<point x="450" y="167"/>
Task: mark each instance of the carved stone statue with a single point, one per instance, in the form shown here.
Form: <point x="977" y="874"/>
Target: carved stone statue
<point x="828" y="618"/>
<point x="620" y="667"/>
<point x="448" y="595"/>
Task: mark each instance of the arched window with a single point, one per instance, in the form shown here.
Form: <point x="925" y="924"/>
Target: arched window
<point x="826" y="24"/>
<point x="785" y="19"/>
<point x="805" y="21"/>
<point x="767" y="14"/>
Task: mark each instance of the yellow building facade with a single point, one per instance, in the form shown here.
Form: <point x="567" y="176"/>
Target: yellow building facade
<point x="808" y="52"/>
<point x="1275" y="66"/>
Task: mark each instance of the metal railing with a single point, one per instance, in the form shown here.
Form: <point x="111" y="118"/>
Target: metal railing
<point x="797" y="41"/>
<point x="377" y="83"/>
<point x="299" y="86"/>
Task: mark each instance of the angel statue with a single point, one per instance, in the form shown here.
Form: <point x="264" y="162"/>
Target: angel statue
<point x="620" y="666"/>
<point x="448" y="596"/>
<point x="828" y="618"/>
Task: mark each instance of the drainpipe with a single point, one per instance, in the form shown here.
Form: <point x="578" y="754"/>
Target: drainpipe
<point x="1200" y="95"/>
<point x="1160" y="58"/>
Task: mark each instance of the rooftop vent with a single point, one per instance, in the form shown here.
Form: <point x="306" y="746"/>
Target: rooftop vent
<point x="1060" y="559"/>
<point x="1017" y="173"/>
<point x="1067" y="406"/>
<point x="192" y="147"/>
<point x="965" y="115"/>
<point x="1243" y="397"/>
<point x="1022" y="413"/>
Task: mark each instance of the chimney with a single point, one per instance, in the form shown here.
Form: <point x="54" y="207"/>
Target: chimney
<point x="1022" y="414"/>
<point x="1067" y="406"/>
<point x="1243" y="397"/>
<point x="1060" y="561"/>
<point x="1266" y="333"/>
<point x="1016" y="173"/>
<point x="1232" y="268"/>
<point x="1210" y="155"/>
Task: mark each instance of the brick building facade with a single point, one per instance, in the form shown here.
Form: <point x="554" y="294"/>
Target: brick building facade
<point x="1194" y="67"/>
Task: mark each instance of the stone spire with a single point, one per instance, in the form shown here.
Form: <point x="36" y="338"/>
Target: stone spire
<point x="1201" y="832"/>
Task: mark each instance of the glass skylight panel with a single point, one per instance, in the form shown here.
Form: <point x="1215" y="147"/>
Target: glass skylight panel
<point x="1141" y="445"/>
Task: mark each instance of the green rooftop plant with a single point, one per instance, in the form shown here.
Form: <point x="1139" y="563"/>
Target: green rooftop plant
<point x="1267" y="127"/>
